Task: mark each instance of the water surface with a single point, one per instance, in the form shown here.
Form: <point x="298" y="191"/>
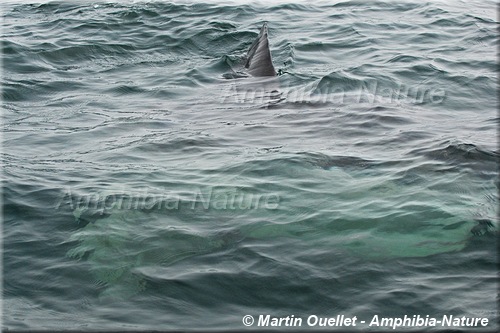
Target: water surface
<point x="145" y="190"/>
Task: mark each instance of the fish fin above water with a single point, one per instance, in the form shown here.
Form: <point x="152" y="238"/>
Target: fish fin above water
<point x="259" y="61"/>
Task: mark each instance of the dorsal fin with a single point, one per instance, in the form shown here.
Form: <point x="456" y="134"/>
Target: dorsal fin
<point x="259" y="61"/>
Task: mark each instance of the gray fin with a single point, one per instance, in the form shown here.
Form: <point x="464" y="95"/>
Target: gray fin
<point x="259" y="61"/>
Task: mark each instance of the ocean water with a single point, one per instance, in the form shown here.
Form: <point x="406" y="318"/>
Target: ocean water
<point x="147" y="187"/>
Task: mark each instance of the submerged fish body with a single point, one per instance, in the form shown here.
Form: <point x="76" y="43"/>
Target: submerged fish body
<point x="122" y="241"/>
<point x="314" y="211"/>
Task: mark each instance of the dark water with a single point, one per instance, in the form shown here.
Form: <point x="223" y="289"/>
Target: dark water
<point x="144" y="190"/>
